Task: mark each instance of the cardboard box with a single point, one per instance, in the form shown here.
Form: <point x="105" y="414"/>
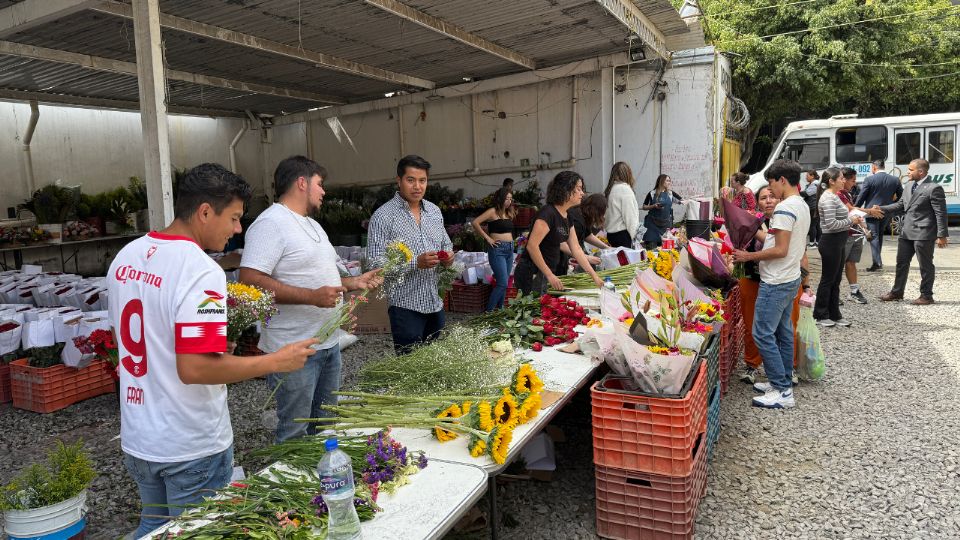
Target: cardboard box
<point x="372" y="316"/>
<point x="540" y="457"/>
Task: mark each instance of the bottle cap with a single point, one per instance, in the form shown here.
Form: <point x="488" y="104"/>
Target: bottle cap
<point x="330" y="444"/>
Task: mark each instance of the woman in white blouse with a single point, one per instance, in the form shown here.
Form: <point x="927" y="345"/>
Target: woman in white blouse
<point x="623" y="214"/>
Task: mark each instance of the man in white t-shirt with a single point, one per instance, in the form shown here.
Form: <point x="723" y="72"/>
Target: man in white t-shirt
<point x="780" y="276"/>
<point x="289" y="253"/>
<point x="167" y="306"/>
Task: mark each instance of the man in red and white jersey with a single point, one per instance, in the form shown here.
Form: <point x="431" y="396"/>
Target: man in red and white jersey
<point x="167" y="302"/>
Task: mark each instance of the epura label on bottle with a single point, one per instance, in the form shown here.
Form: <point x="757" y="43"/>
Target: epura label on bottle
<point x="329" y="485"/>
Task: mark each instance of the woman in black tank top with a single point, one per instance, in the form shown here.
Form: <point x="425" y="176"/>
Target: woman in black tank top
<point x="499" y="235"/>
<point x="551" y="227"/>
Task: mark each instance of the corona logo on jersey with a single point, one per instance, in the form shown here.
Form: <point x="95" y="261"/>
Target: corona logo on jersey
<point x="211" y="304"/>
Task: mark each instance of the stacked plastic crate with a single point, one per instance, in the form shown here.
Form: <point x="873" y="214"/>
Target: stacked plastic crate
<point x="731" y="337"/>
<point x="650" y="454"/>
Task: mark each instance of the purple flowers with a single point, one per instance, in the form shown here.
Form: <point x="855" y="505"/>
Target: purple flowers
<point x="386" y="458"/>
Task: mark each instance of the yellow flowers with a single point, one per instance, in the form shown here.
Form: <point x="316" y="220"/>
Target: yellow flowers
<point x="506" y="412"/>
<point x="485" y="416"/>
<point x="530" y="408"/>
<point x="398" y="247"/>
<point x="243" y="292"/>
<point x="478" y="447"/>
<point x="443" y="435"/>
<point x="500" y="443"/>
<point x="526" y="380"/>
<point x="595" y="323"/>
<point x="664" y="261"/>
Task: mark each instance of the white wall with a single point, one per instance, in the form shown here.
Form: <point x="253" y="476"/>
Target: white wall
<point x="100" y="149"/>
<point x="536" y="125"/>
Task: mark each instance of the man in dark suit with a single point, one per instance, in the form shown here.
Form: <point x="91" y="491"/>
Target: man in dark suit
<point x="879" y="189"/>
<point x="925" y="223"/>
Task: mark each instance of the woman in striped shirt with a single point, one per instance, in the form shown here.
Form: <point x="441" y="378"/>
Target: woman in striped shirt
<point x="835" y="222"/>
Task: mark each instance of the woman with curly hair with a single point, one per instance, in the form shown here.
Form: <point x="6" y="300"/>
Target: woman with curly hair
<point x="551" y="227"/>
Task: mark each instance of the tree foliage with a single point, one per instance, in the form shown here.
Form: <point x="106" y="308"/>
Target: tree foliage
<point x="807" y="59"/>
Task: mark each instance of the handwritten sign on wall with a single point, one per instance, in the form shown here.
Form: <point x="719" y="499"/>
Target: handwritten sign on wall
<point x="689" y="168"/>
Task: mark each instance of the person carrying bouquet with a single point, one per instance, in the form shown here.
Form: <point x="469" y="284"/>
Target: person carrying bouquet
<point x="288" y="253"/>
<point x="167" y="305"/>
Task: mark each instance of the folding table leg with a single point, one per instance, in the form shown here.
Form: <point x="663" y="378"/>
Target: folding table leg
<point x="494" y="513"/>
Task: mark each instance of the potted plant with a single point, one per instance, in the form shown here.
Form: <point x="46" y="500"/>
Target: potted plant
<point x="50" y="497"/>
<point x="137" y="192"/>
<point x="117" y="211"/>
<point x="91" y="211"/>
<point x="53" y="205"/>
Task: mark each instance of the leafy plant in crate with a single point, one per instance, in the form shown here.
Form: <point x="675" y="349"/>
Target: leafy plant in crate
<point x="44" y="357"/>
<point x="49" y="497"/>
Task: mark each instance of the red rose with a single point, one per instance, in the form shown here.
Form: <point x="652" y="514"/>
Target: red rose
<point x="537" y="346"/>
<point x="548" y="328"/>
<point x="443" y="255"/>
<point x="585" y="320"/>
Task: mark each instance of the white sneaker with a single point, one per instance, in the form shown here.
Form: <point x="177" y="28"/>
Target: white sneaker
<point x="844" y="323"/>
<point x="776" y="399"/>
<point x="762" y="387"/>
<point x="826" y="323"/>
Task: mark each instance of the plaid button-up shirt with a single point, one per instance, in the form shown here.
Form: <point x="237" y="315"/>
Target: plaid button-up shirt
<point x="394" y="221"/>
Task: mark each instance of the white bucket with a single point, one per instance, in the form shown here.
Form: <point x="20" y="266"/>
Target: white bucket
<point x="50" y="522"/>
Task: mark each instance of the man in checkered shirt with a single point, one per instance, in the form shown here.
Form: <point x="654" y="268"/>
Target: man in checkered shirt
<point x="416" y="309"/>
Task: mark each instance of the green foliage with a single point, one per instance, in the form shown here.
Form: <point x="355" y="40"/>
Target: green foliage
<point x="822" y="60"/>
<point x="44" y="357"/>
<point x="52" y="203"/>
<point x="68" y="471"/>
<point x="529" y="196"/>
<point x="137" y="194"/>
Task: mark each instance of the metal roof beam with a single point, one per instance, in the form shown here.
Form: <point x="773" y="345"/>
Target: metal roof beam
<point x="452" y="31"/>
<point x="630" y="16"/>
<point x="321" y="60"/>
<point x="514" y="80"/>
<point x="130" y="68"/>
<point x="106" y="103"/>
<point x="30" y="13"/>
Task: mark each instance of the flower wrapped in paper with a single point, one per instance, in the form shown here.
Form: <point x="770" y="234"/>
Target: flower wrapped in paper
<point x="707" y="264"/>
<point x="742" y="227"/>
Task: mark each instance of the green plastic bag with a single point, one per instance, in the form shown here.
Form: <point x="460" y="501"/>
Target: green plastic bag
<point x="811" y="364"/>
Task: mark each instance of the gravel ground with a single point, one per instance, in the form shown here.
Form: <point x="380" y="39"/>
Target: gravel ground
<point x="871" y="451"/>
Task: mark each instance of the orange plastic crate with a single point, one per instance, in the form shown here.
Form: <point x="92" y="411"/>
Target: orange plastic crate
<point x="45" y="390"/>
<point x="635" y="505"/>
<point x="649" y="434"/>
<point x="6" y="392"/>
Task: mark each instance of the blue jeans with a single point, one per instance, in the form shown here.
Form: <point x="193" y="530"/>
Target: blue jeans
<point x="303" y="392"/>
<point x="410" y="328"/>
<point x="176" y="484"/>
<point x="501" y="261"/>
<point x="773" y="331"/>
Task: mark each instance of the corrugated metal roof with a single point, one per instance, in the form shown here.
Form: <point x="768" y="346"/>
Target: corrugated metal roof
<point x="550" y="32"/>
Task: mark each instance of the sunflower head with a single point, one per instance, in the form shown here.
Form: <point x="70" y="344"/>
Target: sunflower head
<point x="529" y="408"/>
<point x="444" y="435"/>
<point x="525" y="380"/>
<point x="500" y="439"/>
<point x="478" y="446"/>
<point x="465" y="407"/>
<point x="484" y="412"/>
<point x="506" y="411"/>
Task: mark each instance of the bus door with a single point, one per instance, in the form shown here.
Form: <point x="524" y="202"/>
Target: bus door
<point x="941" y="152"/>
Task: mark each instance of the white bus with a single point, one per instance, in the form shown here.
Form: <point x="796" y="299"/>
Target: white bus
<point x="855" y="142"/>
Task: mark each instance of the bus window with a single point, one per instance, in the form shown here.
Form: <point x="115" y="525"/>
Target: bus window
<point x="908" y="146"/>
<point x="861" y="144"/>
<point x="810" y="153"/>
<point x="940" y="146"/>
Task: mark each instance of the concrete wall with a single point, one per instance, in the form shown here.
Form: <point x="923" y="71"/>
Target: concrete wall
<point x="616" y="120"/>
<point x="100" y="149"/>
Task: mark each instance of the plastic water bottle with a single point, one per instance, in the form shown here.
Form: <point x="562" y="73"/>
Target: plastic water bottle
<point x="336" y="484"/>
<point x="608" y="284"/>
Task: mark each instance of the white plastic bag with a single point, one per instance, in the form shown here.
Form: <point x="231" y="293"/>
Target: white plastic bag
<point x="10" y="336"/>
<point x="38" y="334"/>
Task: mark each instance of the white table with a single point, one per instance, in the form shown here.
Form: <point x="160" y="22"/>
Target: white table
<point x="560" y="372"/>
<point x="434" y="500"/>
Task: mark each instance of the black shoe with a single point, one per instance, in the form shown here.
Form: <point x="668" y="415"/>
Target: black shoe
<point x="874" y="268"/>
